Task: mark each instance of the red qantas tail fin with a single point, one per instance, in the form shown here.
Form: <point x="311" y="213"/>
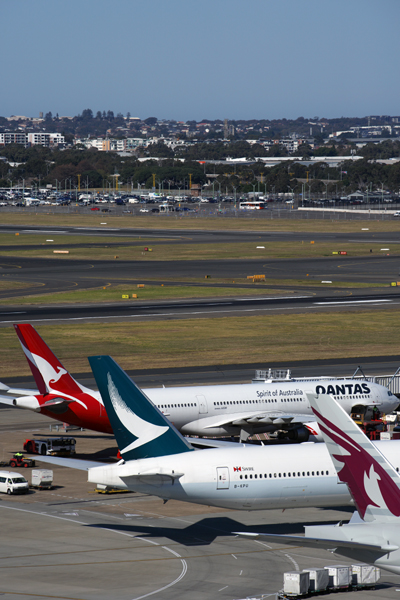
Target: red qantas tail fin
<point x="47" y="370"/>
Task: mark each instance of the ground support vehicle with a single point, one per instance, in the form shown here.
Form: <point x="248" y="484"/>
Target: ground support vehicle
<point x="13" y="483"/>
<point x="42" y="479"/>
<point x="19" y="460"/>
<point x="51" y="446"/>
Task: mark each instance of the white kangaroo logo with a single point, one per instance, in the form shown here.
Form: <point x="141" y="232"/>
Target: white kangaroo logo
<point x="60" y="373"/>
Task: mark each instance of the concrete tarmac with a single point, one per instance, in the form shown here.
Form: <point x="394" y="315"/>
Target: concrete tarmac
<point x="70" y="543"/>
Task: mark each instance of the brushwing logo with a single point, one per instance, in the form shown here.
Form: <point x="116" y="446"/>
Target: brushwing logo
<point x="143" y="430"/>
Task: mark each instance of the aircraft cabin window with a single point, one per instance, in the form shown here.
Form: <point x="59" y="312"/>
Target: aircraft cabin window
<point x="294" y="474"/>
<point x="245" y="476"/>
<point x="280" y="474"/>
<point x="255" y="476"/>
<point x="317" y="472"/>
<point x="308" y="473"/>
<point x="327" y="472"/>
<point x="288" y="474"/>
<point x="241" y="476"/>
<point x="251" y="476"/>
<point x="274" y="474"/>
<point x="312" y="473"/>
<point x="284" y="474"/>
<point x="304" y="474"/>
<point x="270" y="475"/>
<point x="298" y="474"/>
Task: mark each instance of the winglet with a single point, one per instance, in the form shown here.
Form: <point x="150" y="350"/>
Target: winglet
<point x="373" y="482"/>
<point x="140" y="428"/>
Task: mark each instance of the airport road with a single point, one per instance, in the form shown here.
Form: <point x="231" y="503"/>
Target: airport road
<point x="71" y="543"/>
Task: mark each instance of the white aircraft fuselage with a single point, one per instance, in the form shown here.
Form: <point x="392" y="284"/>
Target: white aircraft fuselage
<point x="240" y="478"/>
<point x="220" y="410"/>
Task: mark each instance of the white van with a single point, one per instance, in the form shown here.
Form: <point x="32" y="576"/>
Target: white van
<point x="13" y="483"/>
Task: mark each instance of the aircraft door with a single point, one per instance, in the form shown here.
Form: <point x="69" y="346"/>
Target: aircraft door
<point x="203" y="408"/>
<point x="222" y="478"/>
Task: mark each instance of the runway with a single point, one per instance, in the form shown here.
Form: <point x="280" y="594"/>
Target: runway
<point x="194" y="309"/>
<point x="223" y="235"/>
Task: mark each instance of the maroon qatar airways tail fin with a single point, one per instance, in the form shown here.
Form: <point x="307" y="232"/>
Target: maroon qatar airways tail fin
<point x="372" y="481"/>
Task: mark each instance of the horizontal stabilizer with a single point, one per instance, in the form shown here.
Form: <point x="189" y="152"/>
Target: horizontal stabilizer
<point x="72" y="463"/>
<point x="327" y="544"/>
<point x="16" y="391"/>
<point x="6" y="400"/>
<point x="22" y="392"/>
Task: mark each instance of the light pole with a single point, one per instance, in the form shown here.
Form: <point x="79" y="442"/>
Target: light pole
<point x="381" y="194"/>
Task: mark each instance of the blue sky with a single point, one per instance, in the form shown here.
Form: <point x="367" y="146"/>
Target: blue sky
<point x="181" y="59"/>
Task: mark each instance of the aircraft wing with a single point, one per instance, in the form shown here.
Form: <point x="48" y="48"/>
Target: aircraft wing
<point x="204" y="443"/>
<point x="327" y="544"/>
<point x="279" y="419"/>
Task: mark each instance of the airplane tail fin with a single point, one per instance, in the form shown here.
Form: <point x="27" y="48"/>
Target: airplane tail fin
<point x="48" y="372"/>
<point x="372" y="481"/>
<point x="140" y="428"/>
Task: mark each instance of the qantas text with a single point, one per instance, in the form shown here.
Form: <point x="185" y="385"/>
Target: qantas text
<point x="345" y="389"/>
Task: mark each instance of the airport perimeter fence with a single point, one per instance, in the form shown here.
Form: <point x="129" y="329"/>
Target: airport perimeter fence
<point x="205" y="211"/>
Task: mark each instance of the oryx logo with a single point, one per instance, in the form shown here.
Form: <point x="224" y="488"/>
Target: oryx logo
<point x="142" y="430"/>
<point x="370" y="484"/>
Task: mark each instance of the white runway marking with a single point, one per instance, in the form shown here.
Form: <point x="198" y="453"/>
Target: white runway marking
<point x="353" y="302"/>
<point x="202" y="312"/>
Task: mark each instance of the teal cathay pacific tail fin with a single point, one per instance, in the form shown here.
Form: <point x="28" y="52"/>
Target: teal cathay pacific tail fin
<point x="141" y="430"/>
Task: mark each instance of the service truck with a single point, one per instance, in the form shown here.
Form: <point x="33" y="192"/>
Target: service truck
<point x="51" y="446"/>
